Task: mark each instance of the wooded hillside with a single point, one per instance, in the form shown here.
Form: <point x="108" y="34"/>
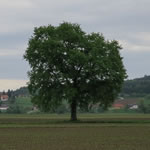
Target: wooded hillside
<point x="136" y="87"/>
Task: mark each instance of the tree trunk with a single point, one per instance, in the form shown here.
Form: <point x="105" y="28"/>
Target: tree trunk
<point x="74" y="110"/>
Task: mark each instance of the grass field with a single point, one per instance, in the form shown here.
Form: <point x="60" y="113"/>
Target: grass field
<point x="91" y="132"/>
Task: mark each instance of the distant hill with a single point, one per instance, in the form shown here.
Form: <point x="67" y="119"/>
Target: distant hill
<point x="132" y="88"/>
<point x="136" y="87"/>
<point x="128" y="101"/>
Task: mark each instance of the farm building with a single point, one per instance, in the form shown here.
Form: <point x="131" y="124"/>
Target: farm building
<point x="134" y="106"/>
<point x="118" y="106"/>
<point x="4" y="108"/>
<point x="4" y="97"/>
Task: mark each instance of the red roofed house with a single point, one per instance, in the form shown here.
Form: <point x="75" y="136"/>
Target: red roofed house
<point x="4" y="97"/>
<point x="118" y="106"/>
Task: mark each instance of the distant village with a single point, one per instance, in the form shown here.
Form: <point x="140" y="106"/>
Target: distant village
<point x="120" y="103"/>
<point x="7" y="97"/>
<point x="135" y="97"/>
<point x="3" y="101"/>
<point x="131" y="103"/>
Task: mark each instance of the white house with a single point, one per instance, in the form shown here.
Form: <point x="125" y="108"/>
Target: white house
<point x="4" y="108"/>
<point x="135" y="106"/>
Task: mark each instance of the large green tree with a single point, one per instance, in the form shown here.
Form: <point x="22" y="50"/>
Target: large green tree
<point x="69" y="64"/>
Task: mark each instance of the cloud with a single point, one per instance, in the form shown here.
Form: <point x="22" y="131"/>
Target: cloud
<point x="126" y="21"/>
<point x="13" y="67"/>
<point x="8" y="52"/>
<point x="100" y="14"/>
<point x="142" y="37"/>
<point x="15" y="4"/>
<point x="136" y="63"/>
<point x="6" y="84"/>
<point x="134" y="47"/>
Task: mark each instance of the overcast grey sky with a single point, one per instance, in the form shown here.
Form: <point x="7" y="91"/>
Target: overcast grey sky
<point x="124" y="20"/>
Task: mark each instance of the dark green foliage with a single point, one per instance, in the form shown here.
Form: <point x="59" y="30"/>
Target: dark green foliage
<point x="10" y="93"/>
<point x="61" y="109"/>
<point x="12" y="99"/>
<point x="100" y="110"/>
<point x="147" y="97"/>
<point x="136" y="87"/>
<point x="20" y="105"/>
<point x="143" y="107"/>
<point x="15" y="109"/>
<point x="18" y="109"/>
<point x="66" y="63"/>
<point x="23" y="91"/>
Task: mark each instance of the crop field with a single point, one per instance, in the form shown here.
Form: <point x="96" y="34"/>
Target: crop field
<point x="91" y="132"/>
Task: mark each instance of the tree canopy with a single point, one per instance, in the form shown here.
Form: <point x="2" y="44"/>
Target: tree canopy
<point x="67" y="63"/>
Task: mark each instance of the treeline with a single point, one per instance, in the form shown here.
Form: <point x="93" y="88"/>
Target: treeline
<point x="18" y="101"/>
<point x="21" y="92"/>
<point x="137" y="87"/>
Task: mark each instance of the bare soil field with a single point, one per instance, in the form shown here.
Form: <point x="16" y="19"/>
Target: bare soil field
<point x="52" y="132"/>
